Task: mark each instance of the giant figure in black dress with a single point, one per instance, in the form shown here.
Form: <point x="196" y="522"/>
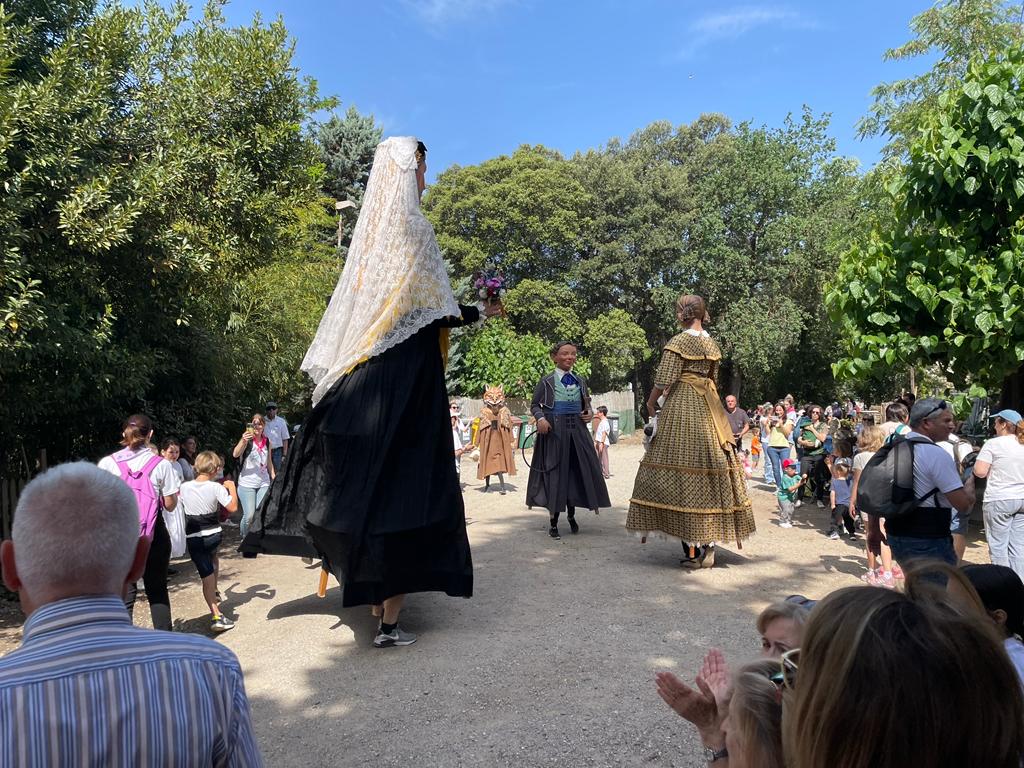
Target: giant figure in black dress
<point x="369" y="484"/>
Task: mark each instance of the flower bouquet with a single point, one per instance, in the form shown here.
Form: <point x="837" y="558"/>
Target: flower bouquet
<point x="489" y="284"/>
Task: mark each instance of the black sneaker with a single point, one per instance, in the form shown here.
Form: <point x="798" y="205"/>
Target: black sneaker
<point x="396" y="637"/>
<point x="573" y="525"/>
<point x="553" y="532"/>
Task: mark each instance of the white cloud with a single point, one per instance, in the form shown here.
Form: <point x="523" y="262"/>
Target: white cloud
<point x="729" y="25"/>
<point x="440" y="12"/>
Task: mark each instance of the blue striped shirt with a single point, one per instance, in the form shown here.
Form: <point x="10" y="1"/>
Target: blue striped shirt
<point x="86" y="688"/>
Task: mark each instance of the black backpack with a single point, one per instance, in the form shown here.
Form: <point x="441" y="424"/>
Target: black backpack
<point x="886" y="485"/>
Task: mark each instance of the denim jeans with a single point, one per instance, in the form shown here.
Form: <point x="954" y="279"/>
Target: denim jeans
<point x="250" y="499"/>
<point x="908" y="548"/>
<point x="276" y="457"/>
<point x="1004" y="528"/>
<point x="777" y="456"/>
<point x="769" y="476"/>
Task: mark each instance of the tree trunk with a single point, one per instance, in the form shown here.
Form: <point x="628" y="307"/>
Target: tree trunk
<point x="1013" y="390"/>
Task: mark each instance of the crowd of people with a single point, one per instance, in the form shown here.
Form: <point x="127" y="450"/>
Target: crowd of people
<point x="868" y="676"/>
<point x="932" y="675"/>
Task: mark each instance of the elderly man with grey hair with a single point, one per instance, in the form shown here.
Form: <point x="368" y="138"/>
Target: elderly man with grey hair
<point x="925" y="531"/>
<point x="86" y="687"/>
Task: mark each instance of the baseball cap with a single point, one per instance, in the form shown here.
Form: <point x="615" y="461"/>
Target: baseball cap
<point x="844" y="462"/>
<point x="787" y="463"/>
<point x="1008" y="414"/>
<point x="271" y="404"/>
<point x="926" y="408"/>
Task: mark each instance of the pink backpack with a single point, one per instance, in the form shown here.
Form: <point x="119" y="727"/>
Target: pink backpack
<point x="146" y="497"/>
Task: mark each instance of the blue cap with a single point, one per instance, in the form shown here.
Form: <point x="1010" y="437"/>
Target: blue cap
<point x="1010" y="415"/>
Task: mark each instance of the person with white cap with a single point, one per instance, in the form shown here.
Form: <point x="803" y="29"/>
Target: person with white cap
<point x="276" y="430"/>
<point x="1001" y="462"/>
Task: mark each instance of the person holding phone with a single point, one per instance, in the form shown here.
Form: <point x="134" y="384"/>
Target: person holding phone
<point x="256" y="469"/>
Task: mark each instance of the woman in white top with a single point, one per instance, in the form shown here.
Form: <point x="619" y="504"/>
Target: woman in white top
<point x="1001" y="461"/>
<point x="256" y="469"/>
<point x="133" y="463"/>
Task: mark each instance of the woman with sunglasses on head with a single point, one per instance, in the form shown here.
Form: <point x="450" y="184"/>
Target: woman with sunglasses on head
<point x="811" y="443"/>
<point x="738" y="716"/>
<point x="891" y="680"/>
<point x="256" y="468"/>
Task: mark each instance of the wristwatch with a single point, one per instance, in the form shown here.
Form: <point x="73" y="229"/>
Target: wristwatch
<point x="713" y="755"/>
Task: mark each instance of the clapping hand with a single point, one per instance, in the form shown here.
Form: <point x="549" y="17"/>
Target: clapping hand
<point x="705" y="707"/>
<point x="697" y="706"/>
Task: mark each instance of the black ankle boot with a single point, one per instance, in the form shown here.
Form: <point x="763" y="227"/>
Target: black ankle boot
<point x="573" y="526"/>
<point x="553" y="531"/>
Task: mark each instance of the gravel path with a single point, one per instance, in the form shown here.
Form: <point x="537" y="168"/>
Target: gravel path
<point x="551" y="662"/>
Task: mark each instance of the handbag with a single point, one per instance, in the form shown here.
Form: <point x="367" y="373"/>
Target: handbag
<point x="174" y="519"/>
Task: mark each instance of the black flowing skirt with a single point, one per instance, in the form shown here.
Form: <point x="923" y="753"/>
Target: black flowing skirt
<point x="369" y="483"/>
<point x="565" y="469"/>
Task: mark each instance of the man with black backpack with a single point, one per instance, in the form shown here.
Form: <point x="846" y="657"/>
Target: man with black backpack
<point x="914" y="485"/>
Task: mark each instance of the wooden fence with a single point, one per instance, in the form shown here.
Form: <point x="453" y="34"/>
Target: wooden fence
<point x="10" y="491"/>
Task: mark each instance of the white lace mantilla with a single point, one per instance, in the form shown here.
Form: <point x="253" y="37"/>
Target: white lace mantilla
<point x="394" y="282"/>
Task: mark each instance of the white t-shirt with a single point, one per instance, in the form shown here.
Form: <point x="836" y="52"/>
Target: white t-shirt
<point x="254" y="472"/>
<point x="163" y="478"/>
<point x="602" y="431"/>
<point x="201" y="502"/>
<point x="861" y="460"/>
<point x="1006" y="477"/>
<point x="276" y="430"/>
<point x="933" y="468"/>
<point x="1015" y="648"/>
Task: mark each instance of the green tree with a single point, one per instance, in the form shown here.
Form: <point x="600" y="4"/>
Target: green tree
<point x="545" y="308"/>
<point x="525" y="213"/>
<point x="497" y="354"/>
<point x="616" y="345"/>
<point x="955" y="32"/>
<point x="943" y="281"/>
<point x="346" y="146"/>
<point x="152" y="165"/>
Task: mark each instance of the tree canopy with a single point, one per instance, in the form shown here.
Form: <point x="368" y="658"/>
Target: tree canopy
<point x="943" y="280"/>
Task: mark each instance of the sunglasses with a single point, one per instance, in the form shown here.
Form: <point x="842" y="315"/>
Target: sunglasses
<point x="940" y="407"/>
<point x="788" y="666"/>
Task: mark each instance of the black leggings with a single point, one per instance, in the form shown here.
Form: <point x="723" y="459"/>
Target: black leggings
<point x="154" y="578"/>
<point x="817" y="474"/>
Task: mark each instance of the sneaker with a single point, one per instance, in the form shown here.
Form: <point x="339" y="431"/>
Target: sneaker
<point x="553" y="532"/>
<point x="798" y="503"/>
<point x="573" y="525"/>
<point x="854" y="536"/>
<point x="221" y="624"/>
<point x="229" y="524"/>
<point x="820" y="504"/>
<point x="867" y="577"/>
<point x="395" y="638"/>
<point x="833" y="535"/>
<point x="785" y="525"/>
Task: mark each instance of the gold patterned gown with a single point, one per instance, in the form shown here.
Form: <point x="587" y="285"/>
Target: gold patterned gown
<point x="690" y="485"/>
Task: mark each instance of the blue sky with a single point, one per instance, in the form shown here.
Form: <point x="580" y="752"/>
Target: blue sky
<point x="477" y="78"/>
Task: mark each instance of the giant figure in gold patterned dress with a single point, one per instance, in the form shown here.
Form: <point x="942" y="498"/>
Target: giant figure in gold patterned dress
<point x="690" y="485"/>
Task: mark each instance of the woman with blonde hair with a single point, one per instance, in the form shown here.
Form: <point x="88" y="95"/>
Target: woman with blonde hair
<point x="872" y="437"/>
<point x="1001" y="461"/>
<point x="888" y="680"/>
<point x="690" y="485"/>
